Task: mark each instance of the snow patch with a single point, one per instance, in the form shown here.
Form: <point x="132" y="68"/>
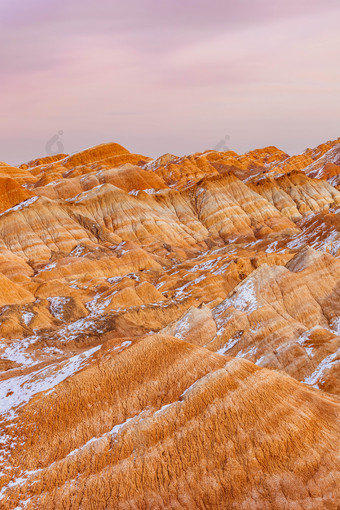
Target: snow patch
<point x="77" y="251"/>
<point x="17" y="391"/>
<point x="163" y="408"/>
<point x="98" y="308"/>
<point x="335" y="326"/>
<point x="122" y="346"/>
<point x="27" y="317"/>
<point x="185" y="392"/>
<point x="245" y="298"/>
<point x="18" y="351"/>
<point x="20" y="206"/>
<point x="249" y="352"/>
<point x="113" y="432"/>
<point x="317" y="376"/>
<point x="182" y="327"/>
<point x="57" y="304"/>
<point x="232" y="341"/>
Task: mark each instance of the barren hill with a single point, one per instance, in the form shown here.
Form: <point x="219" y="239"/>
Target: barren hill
<point x="170" y="331"/>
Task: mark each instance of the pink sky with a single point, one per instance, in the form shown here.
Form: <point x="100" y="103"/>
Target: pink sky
<point x="168" y="76"/>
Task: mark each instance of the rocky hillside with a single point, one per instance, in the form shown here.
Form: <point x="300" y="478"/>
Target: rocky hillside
<point x="170" y="331"/>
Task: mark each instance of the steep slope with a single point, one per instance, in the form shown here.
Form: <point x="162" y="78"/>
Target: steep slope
<point x="38" y="226"/>
<point x="95" y="158"/>
<point x="170" y="330"/>
<point x="189" y="440"/>
<point x="227" y="207"/>
<point x="11" y="293"/>
<point x="20" y="175"/>
<point x="11" y="193"/>
<point x="294" y="194"/>
<point x="280" y="317"/>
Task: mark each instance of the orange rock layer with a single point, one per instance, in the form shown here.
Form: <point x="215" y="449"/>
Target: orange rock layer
<point x="170" y="331"/>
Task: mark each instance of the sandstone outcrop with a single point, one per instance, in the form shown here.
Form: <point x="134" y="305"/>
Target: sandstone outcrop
<point x="170" y="330"/>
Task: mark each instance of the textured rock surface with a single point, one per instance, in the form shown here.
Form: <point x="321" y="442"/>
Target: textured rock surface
<point x="170" y="331"/>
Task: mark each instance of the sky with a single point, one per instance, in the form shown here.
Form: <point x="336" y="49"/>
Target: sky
<point x="160" y="76"/>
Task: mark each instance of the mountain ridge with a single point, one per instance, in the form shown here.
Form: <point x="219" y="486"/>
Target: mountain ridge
<point x="170" y="331"/>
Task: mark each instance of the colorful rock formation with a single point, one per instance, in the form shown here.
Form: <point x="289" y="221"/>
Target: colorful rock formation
<point x="170" y="331"/>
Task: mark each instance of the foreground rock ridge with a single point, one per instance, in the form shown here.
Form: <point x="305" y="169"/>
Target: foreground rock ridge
<point x="170" y="331"/>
